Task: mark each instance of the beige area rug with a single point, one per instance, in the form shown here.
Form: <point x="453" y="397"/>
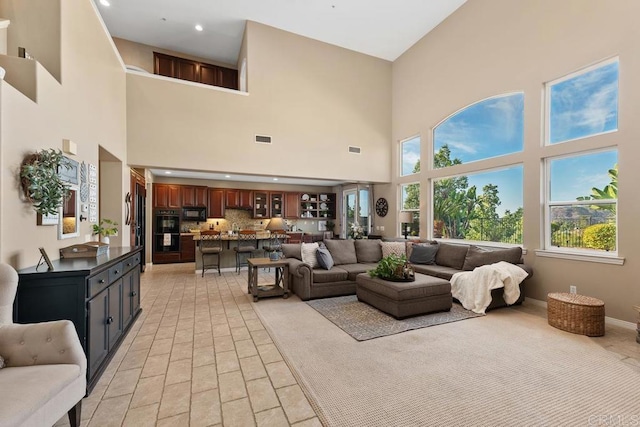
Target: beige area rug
<point x="507" y="368"/>
<point x="364" y="322"/>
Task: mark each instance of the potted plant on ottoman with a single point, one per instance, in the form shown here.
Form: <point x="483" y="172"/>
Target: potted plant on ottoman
<point x="394" y="268"/>
<point x="104" y="229"/>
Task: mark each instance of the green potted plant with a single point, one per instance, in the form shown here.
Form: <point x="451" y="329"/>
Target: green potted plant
<point x="104" y="229"/>
<point x="40" y="181"/>
<point x="395" y="268"/>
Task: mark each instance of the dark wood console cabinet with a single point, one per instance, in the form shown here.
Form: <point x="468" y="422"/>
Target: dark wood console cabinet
<point x="101" y="296"/>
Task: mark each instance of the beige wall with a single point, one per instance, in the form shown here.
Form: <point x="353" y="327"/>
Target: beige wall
<point x="141" y="55"/>
<point x="314" y="99"/>
<point x="489" y="47"/>
<point x="87" y="107"/>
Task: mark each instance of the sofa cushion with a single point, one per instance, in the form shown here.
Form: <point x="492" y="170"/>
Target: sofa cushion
<point x="368" y="250"/>
<point x="309" y="256"/>
<point x="423" y="254"/>
<point x="335" y="274"/>
<point x="292" y="250"/>
<point x="354" y="269"/>
<point x="451" y="255"/>
<point x="397" y="248"/>
<point x="477" y="256"/>
<point x="324" y="258"/>
<point x="434" y="270"/>
<point x="342" y="251"/>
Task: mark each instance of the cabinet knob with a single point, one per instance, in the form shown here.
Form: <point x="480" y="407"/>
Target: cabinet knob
<point x="109" y="320"/>
<point x="101" y="281"/>
<point x="128" y="264"/>
<point x="134" y="293"/>
<point x="117" y="272"/>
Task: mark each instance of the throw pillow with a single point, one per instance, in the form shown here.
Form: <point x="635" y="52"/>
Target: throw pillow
<point x="309" y="254"/>
<point x="324" y="258"/>
<point x="412" y="244"/>
<point x="388" y="248"/>
<point x="477" y="256"/>
<point x="424" y="254"/>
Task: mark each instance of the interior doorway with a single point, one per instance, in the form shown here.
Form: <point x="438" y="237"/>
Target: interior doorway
<point x="356" y="209"/>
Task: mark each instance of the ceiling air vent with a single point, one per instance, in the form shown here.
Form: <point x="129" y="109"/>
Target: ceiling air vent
<point x="353" y="149"/>
<point x="263" y="139"/>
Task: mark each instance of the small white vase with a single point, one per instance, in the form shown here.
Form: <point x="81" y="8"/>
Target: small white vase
<point x="104" y="239"/>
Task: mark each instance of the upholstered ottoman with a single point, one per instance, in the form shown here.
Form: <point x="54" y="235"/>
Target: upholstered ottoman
<point x="426" y="294"/>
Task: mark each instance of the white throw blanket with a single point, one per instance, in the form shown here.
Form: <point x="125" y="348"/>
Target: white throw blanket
<point x="473" y="288"/>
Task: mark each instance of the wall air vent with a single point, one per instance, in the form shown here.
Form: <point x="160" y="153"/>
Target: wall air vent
<point x="353" y="149"/>
<point x="263" y="139"/>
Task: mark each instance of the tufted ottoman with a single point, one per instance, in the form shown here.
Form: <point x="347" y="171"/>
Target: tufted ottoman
<point x="426" y="294"/>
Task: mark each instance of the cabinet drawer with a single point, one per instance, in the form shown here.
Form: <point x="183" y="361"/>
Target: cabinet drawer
<point x="131" y="262"/>
<point x="116" y="272"/>
<point x="97" y="283"/>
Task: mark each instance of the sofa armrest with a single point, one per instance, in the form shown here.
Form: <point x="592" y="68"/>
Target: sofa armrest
<point x="301" y="278"/>
<point x="526" y="268"/>
<point x="299" y="268"/>
<point x="45" y="343"/>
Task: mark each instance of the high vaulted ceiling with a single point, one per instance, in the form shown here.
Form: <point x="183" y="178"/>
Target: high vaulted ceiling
<point x="381" y="28"/>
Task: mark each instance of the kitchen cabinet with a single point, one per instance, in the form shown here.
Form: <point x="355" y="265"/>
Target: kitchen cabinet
<point x="215" y="206"/>
<point x="193" y="195"/>
<point x="195" y="71"/>
<point x="261" y="204"/>
<point x="101" y="296"/>
<point x="276" y="204"/>
<point x="167" y="196"/>
<point x="187" y="248"/>
<point x="318" y="205"/>
<point x="292" y="205"/>
<point x="239" y="199"/>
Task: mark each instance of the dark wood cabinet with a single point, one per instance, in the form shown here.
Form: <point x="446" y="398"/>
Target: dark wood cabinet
<point x="276" y="204"/>
<point x="318" y="205"/>
<point x="193" y="195"/>
<point x="187" y="249"/>
<point x="260" y="204"/>
<point x="239" y="199"/>
<point x="215" y="206"/>
<point x="167" y="196"/>
<point x="195" y="71"/>
<point x="292" y="205"/>
<point x="101" y="296"/>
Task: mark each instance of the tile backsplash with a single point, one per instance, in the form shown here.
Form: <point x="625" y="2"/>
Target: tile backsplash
<point x="243" y="220"/>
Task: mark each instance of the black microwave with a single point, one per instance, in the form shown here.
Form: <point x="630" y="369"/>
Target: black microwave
<point x="194" y="214"/>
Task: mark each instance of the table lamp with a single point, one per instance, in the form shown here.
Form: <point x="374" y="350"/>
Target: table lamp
<point x="275" y="224"/>
<point x="406" y="218"/>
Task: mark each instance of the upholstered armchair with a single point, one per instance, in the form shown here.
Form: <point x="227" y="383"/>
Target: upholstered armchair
<point x="45" y="367"/>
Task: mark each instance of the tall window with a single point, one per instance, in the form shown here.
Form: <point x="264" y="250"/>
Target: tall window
<point x="582" y="189"/>
<point x="582" y="201"/>
<point x="583" y="104"/>
<point x="489" y="128"/>
<point x="410" y="156"/>
<point x="482" y="205"/>
<point x="410" y="194"/>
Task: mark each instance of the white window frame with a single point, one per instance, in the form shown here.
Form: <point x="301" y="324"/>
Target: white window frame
<point x="578" y="253"/>
<point x="547" y="100"/>
<point x="401" y="205"/>
<point x="401" y="154"/>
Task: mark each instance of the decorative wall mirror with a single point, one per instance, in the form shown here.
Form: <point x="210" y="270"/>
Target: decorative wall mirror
<point x="69" y="224"/>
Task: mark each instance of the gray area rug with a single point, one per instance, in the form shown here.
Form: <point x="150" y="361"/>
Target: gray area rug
<point x="364" y="322"/>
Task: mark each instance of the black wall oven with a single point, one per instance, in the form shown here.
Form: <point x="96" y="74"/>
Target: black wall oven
<point x="166" y="233"/>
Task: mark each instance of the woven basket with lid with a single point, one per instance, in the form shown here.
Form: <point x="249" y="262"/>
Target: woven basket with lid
<point x="575" y="313"/>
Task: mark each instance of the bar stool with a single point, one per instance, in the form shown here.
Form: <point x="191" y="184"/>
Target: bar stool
<point x="210" y="244"/>
<point x="246" y="244"/>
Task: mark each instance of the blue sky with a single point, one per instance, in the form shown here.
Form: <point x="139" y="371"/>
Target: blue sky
<point x="584" y="105"/>
<point x="573" y="177"/>
<point x="410" y="155"/>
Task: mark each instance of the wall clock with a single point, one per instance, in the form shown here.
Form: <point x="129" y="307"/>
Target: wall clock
<point x="382" y="206"/>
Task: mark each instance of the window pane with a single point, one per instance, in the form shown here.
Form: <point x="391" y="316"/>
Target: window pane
<point x="411" y="202"/>
<point x="363" y="214"/>
<point x="584" y="227"/>
<point x="573" y="178"/>
<point x="489" y="128"/>
<point x="484" y="206"/>
<point x="584" y="105"/>
<point x="410" y="156"/>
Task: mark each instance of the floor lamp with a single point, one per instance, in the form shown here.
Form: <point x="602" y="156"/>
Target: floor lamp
<point x="406" y="218"/>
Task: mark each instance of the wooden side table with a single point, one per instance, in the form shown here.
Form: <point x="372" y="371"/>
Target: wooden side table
<point x="575" y="313"/>
<point x="281" y="285"/>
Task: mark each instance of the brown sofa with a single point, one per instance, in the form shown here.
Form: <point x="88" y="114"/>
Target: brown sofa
<point x="352" y="257"/>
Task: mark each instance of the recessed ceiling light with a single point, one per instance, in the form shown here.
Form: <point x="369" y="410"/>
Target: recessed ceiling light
<point x="227" y="176"/>
<point x="105" y="3"/>
<point x="167" y="172"/>
<point x="275" y="179"/>
<point x="198" y="27"/>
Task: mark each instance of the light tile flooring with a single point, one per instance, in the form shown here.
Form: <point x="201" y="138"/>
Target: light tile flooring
<point x="198" y="355"/>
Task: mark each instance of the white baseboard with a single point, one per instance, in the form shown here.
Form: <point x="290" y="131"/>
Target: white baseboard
<point x="607" y="320"/>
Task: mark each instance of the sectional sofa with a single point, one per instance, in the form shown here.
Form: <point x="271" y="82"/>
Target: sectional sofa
<point x="352" y="257"/>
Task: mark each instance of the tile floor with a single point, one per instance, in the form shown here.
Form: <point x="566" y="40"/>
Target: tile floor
<point x="199" y="356"/>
